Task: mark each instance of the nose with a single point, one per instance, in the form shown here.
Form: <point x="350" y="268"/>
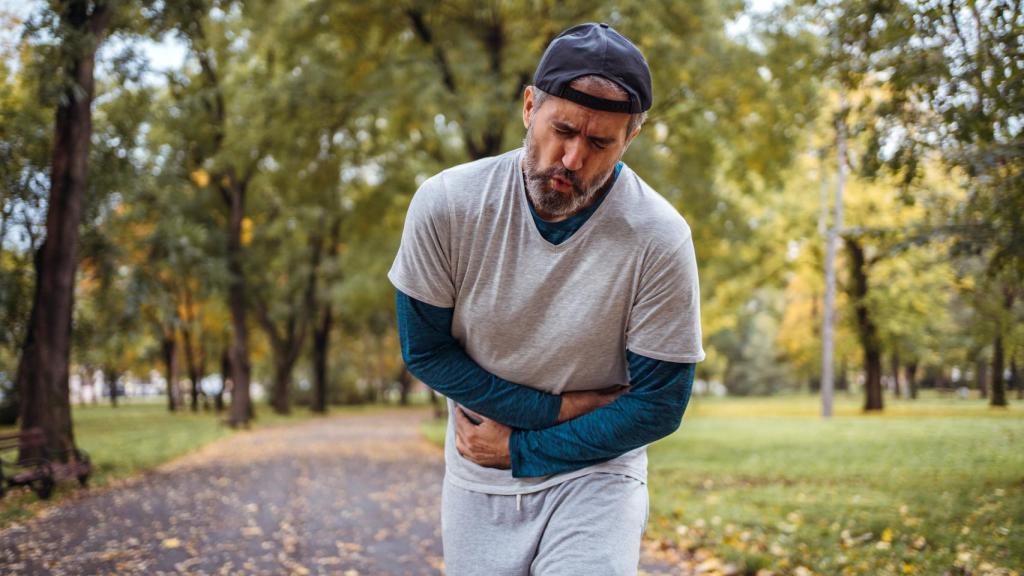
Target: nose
<point x="573" y="155"/>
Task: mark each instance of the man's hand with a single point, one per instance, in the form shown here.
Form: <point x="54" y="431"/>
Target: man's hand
<point x="486" y="443"/>
<point x="575" y="404"/>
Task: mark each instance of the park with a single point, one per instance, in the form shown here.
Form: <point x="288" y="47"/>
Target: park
<point x="204" y="368"/>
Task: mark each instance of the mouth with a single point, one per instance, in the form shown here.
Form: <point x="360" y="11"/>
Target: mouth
<point x="560" y="184"/>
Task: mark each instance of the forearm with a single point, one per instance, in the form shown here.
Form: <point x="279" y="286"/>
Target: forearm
<point x="437" y="359"/>
<point x="651" y="410"/>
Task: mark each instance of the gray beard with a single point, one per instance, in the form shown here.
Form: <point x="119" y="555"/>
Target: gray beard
<point x="551" y="202"/>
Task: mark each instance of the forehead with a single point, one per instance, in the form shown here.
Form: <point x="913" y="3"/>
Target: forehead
<point x="597" y="122"/>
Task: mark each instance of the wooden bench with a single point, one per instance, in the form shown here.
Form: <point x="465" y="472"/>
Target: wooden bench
<point x="40" y="474"/>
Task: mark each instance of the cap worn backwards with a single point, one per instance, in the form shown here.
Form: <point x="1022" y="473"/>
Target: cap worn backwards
<point x="595" y="49"/>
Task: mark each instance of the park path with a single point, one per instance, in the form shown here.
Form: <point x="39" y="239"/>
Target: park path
<point x="356" y="494"/>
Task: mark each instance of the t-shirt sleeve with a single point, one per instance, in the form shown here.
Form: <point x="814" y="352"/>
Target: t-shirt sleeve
<point x="423" y="265"/>
<point x="664" y="322"/>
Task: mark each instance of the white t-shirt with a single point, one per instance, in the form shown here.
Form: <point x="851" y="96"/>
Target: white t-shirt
<point x="553" y="317"/>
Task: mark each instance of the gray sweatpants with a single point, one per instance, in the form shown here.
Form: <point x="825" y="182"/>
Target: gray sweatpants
<point x="588" y="525"/>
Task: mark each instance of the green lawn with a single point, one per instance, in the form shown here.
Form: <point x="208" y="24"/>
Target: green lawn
<point x="130" y="438"/>
<point x="930" y="487"/>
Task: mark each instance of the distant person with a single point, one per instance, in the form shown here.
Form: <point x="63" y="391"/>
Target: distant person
<point x="534" y="287"/>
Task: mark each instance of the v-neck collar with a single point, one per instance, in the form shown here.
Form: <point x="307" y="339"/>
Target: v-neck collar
<point x="589" y="214"/>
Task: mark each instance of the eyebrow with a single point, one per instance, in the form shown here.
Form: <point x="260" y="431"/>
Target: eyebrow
<point x="565" y="126"/>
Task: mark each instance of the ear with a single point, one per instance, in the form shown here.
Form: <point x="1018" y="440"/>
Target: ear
<point x="527" y="105"/>
<point x="629" y="138"/>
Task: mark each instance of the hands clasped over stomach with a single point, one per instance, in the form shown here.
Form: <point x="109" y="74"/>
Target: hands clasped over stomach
<point x="484" y="441"/>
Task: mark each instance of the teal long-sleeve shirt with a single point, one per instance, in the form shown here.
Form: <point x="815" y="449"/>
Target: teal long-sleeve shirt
<point x="651" y="409"/>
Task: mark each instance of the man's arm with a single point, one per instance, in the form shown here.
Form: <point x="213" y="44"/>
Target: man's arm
<point x="652" y="409"/>
<point x="434" y="356"/>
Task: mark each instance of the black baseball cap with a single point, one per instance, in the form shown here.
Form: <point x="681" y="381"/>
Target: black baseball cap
<point x="595" y="49"/>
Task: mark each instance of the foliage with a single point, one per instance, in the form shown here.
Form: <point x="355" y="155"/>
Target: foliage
<point x="329" y="115"/>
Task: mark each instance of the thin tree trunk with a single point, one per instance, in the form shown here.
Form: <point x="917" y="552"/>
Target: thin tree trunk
<point x="321" y="342"/>
<point x="225" y="374"/>
<point x="866" y="330"/>
<point x="895" y="364"/>
<point x="168" y="346"/>
<point x="1016" y="379"/>
<point x="288" y="347"/>
<point x="191" y="366"/>
<point x="998" y="385"/>
<point x="405" y="385"/>
<point x="241" y="403"/>
<point x="42" y="376"/>
<point x="843" y="382"/>
<point x="322" y="331"/>
<point x="110" y="377"/>
<point x="998" y="352"/>
<point x="912" y="379"/>
<point x="981" y="374"/>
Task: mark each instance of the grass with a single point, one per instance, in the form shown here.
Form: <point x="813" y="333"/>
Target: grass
<point x="931" y="486"/>
<point x="133" y="437"/>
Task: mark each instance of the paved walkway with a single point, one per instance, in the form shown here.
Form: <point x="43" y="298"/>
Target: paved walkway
<point x="350" y="495"/>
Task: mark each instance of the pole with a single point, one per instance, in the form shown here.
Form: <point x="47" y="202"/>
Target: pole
<point x="832" y="239"/>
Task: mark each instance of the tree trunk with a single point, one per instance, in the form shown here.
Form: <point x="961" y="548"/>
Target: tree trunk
<point x="912" y="379"/>
<point x="895" y="364"/>
<point x="405" y="385"/>
<point x="321" y="342"/>
<point x="191" y="366"/>
<point x="225" y="374"/>
<point x="1016" y="379"/>
<point x="322" y="331"/>
<point x="282" y="383"/>
<point x="168" y="346"/>
<point x="110" y="377"/>
<point x="867" y="332"/>
<point x="42" y="376"/>
<point x="241" y="403"/>
<point x="981" y="374"/>
<point x="998" y="384"/>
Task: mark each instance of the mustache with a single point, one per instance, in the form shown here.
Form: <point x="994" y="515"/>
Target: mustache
<point x="561" y="172"/>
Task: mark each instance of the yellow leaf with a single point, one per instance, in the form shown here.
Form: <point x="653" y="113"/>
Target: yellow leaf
<point x="201" y="178"/>
<point x="887" y="535"/>
<point x="246" y="231"/>
<point x="171" y="543"/>
<point x="908" y="568"/>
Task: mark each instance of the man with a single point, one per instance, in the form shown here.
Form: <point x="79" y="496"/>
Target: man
<point x="552" y="296"/>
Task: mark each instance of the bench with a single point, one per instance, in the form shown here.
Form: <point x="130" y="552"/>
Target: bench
<point x="40" y="474"/>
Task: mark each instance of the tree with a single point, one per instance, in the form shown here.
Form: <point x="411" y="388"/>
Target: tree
<point x="224" y="120"/>
<point x="948" y="78"/>
<point x="43" y="369"/>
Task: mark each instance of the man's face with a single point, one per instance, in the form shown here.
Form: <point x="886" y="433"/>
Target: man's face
<point x="570" y="152"/>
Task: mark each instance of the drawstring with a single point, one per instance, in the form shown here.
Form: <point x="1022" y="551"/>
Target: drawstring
<point x="519" y="502"/>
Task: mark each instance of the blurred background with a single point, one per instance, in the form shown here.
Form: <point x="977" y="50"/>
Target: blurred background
<point x="204" y="198"/>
